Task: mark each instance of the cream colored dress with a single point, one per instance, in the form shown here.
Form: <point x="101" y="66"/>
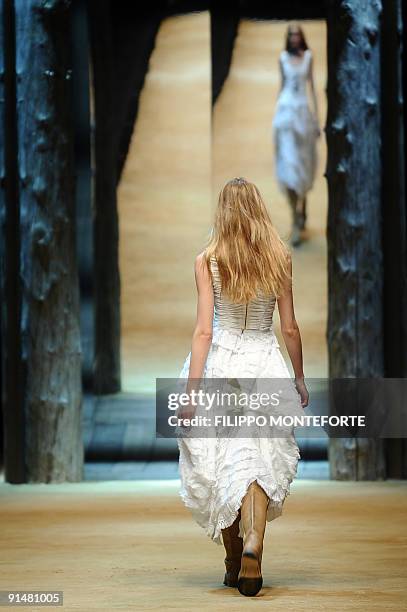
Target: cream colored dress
<point x="294" y="128"/>
<point x="215" y="473"/>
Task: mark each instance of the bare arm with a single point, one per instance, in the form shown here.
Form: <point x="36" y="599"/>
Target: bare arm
<point x="280" y="64"/>
<point x="202" y="335"/>
<point x="313" y="92"/>
<point x="292" y="337"/>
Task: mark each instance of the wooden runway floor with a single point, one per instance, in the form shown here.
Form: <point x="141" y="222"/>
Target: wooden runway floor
<point x="133" y="546"/>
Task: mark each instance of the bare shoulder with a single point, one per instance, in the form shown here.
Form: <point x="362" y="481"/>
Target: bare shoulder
<point x="200" y="259"/>
<point x="201" y="268"/>
<point x="289" y="260"/>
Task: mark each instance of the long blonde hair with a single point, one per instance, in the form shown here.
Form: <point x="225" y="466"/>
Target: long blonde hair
<point x="250" y="254"/>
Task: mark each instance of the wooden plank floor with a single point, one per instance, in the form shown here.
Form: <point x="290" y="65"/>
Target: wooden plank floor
<point x="133" y="546"/>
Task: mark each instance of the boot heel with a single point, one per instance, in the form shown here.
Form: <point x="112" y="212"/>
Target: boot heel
<point x="254" y="515"/>
<point x="250" y="580"/>
<point x="249" y="586"/>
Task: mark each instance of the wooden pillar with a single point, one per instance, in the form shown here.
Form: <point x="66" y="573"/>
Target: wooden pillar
<point x="393" y="189"/>
<point x="83" y="173"/>
<point x="13" y="420"/>
<point x="394" y="213"/>
<point x="224" y="27"/>
<point x="49" y="368"/>
<point x="107" y="376"/>
<point x="355" y="284"/>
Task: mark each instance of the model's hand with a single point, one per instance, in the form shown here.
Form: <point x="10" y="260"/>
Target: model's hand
<point x="317" y="129"/>
<point x="186" y="413"/>
<point x="302" y="390"/>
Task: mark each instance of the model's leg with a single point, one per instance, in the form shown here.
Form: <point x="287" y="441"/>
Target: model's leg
<point x="254" y="514"/>
<point x="303" y="213"/>
<point x="234" y="548"/>
<point x="295" y="233"/>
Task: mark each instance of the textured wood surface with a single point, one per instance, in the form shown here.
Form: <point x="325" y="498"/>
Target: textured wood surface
<point x="107" y="371"/>
<point x="355" y="264"/>
<point x="394" y="211"/>
<point x="51" y="351"/>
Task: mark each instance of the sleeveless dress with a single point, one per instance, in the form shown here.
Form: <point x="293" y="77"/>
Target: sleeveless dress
<point x="294" y="128"/>
<point x="216" y="473"/>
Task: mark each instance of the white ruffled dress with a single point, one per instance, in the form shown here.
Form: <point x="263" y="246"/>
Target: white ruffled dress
<point x="216" y="472"/>
<point x="294" y="128"/>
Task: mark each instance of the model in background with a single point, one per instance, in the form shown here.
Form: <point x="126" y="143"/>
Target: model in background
<point x="234" y="485"/>
<point x="296" y="127"/>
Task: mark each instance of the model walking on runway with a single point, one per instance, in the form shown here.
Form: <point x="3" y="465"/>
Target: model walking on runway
<point x="231" y="485"/>
<point x="296" y="127"/>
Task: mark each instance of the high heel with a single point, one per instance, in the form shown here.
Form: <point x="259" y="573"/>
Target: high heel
<point x="254" y="512"/>
<point x="234" y="547"/>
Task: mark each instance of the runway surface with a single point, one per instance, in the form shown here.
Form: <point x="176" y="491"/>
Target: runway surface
<point x="133" y="546"/>
<point x="173" y="173"/>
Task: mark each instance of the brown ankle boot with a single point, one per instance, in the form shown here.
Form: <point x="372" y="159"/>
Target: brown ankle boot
<point x="254" y="512"/>
<point x="234" y="547"/>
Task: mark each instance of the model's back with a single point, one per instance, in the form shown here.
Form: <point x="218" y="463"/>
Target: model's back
<point x="257" y="314"/>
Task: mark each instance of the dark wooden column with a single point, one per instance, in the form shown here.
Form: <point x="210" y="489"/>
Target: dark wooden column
<point x="107" y="378"/>
<point x="11" y="376"/>
<point x="134" y="29"/>
<point x="83" y="171"/>
<point x="50" y="352"/>
<point x="394" y="213"/>
<point x="355" y="264"/>
<point x="394" y="204"/>
<point x="224" y="26"/>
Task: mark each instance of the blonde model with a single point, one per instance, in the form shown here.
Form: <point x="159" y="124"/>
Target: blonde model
<point x="231" y="485"/>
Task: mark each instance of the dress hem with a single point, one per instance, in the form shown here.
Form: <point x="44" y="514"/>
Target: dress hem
<point x="276" y="497"/>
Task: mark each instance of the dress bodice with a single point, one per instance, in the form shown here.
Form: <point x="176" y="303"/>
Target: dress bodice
<point x="295" y="75"/>
<point x="257" y="314"/>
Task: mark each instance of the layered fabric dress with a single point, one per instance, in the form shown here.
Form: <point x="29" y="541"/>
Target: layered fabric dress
<point x="294" y="128"/>
<point x="216" y="472"/>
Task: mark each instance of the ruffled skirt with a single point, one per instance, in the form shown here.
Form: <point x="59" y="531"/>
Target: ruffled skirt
<point x="294" y="132"/>
<point x="216" y="472"/>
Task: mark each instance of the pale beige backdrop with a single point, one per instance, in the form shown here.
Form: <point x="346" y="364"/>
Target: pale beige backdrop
<point x="172" y="176"/>
<point x="164" y="203"/>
